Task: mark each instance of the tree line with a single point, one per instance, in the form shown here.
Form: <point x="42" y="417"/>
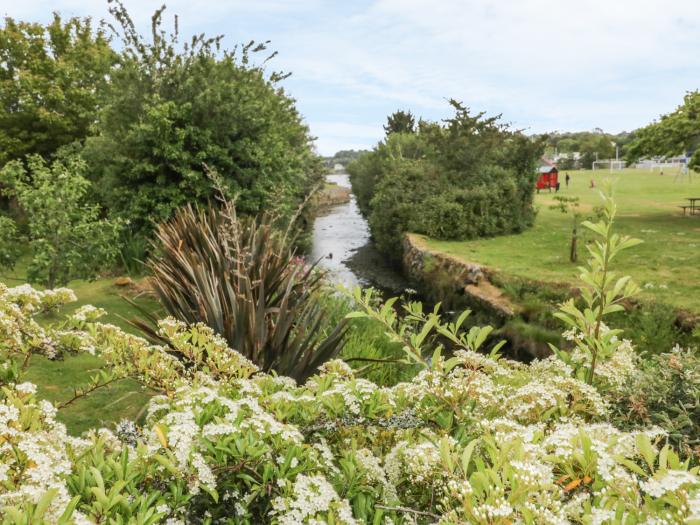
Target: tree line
<point x="673" y="134"/>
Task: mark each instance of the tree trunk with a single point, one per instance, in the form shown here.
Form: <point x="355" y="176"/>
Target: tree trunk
<point x="573" y="255"/>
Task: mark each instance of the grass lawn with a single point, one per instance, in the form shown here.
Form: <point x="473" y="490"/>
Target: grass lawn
<point x="57" y="379"/>
<point x="666" y="265"/>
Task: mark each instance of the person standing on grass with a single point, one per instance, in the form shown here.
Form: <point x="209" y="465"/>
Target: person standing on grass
<point x="567" y="179"/>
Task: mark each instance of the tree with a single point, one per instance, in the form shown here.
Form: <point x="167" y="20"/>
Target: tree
<point x="566" y="162"/>
<point x="467" y="177"/>
<point x="172" y="108"/>
<point x="51" y="81"/>
<point x="677" y="133"/>
<point x="595" y="146"/>
<point x="400" y="122"/>
<point x="67" y="237"/>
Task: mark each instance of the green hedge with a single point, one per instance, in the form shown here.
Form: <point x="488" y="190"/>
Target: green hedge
<point x="466" y="178"/>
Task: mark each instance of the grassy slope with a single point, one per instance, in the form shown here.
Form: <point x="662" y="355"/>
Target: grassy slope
<point x="57" y="379"/>
<point x="667" y="264"/>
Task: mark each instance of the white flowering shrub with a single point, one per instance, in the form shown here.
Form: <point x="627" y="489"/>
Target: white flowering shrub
<point x="470" y="439"/>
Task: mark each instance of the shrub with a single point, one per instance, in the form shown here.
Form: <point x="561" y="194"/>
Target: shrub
<point x="664" y="391"/>
<point x="471" y="439"/>
<point x="654" y="328"/>
<point x="470" y="177"/>
<point x="68" y="238"/>
<point x="171" y="108"/>
<point x="242" y="279"/>
<point x="367" y="349"/>
<point x="9" y="247"/>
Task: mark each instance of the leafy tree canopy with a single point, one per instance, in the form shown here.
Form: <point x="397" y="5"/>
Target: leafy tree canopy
<point x="470" y="176"/>
<point x="400" y="122"/>
<point x="344" y="157"/>
<point x="174" y="107"/>
<point x="676" y="133"/>
<point x="51" y="81"/>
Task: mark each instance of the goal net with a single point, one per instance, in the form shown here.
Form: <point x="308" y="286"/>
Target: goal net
<point x="609" y="164"/>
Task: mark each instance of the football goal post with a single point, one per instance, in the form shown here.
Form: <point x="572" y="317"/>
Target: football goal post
<point x="609" y="164"/>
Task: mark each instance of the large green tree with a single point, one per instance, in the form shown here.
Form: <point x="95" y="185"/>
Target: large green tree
<point x="51" y="82"/>
<point x="676" y="133"/>
<point x="595" y="146"/>
<point x="173" y="108"/>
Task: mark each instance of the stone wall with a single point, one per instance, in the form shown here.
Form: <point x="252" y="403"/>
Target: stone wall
<point x="429" y="269"/>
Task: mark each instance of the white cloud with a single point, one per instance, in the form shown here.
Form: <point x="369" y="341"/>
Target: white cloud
<point x="544" y="64"/>
<point x="334" y="136"/>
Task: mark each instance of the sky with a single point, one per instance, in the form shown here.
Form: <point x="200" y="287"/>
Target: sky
<point x="544" y="65"/>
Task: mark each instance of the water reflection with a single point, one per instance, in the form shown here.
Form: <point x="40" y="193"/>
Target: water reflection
<point x="338" y="233"/>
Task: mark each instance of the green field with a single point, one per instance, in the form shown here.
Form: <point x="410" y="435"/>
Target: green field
<point x="57" y="379"/>
<point x="666" y="265"/>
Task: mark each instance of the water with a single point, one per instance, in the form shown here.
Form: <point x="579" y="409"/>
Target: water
<point x="342" y="245"/>
<point x="338" y="233"/>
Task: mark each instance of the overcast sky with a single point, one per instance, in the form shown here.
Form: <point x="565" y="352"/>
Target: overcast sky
<point x="544" y="64"/>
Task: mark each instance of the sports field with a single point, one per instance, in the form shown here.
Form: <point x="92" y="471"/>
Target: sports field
<point x="666" y="265"/>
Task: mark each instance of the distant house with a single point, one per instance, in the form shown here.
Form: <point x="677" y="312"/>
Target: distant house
<point x="548" y="176"/>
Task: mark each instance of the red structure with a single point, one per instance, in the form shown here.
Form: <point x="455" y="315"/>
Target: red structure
<point x="548" y="177"/>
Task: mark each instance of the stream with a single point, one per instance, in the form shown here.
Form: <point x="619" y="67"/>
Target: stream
<point x="342" y="245"/>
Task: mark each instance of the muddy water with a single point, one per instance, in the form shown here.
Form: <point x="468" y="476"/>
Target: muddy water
<point x="342" y="245"/>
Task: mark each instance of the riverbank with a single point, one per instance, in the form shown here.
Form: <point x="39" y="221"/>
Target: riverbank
<point x="332" y="194"/>
<point x="341" y="245"/>
<point x="521" y="308"/>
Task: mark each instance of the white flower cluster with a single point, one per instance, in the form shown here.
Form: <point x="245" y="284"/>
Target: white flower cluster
<point x="488" y="441"/>
<point x="311" y="501"/>
<point x="35" y="453"/>
<point x="667" y="481"/>
<point x="19" y="332"/>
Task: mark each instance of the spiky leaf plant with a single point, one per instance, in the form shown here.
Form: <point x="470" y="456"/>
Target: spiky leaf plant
<point x="242" y="278"/>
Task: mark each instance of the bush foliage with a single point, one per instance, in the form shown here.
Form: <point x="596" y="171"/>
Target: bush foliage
<point x="69" y="238"/>
<point x="664" y="391"/>
<point x="148" y="115"/>
<point x="468" y="177"/>
<point x="172" y="108"/>
<point x="52" y="80"/>
<point x="470" y="439"/>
